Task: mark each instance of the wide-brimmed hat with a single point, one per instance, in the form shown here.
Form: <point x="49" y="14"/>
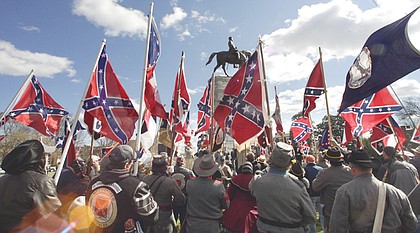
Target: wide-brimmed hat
<point x="334" y="154"/>
<point x="282" y="155"/>
<point x="362" y="158"/>
<point x="205" y="166"/>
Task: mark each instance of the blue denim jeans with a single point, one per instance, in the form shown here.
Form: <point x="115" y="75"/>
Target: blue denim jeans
<point x="318" y="207"/>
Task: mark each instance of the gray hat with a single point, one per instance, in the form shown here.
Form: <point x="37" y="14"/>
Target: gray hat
<point x="205" y="166"/>
<point x="282" y="155"/>
<point x="121" y="155"/>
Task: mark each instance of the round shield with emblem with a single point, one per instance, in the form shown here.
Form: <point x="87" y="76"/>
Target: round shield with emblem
<point x="102" y="207"/>
<point x="180" y="179"/>
<point x="361" y="70"/>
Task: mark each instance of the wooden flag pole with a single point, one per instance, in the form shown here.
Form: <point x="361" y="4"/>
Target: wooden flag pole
<point x="330" y="132"/>
<point x="76" y="116"/>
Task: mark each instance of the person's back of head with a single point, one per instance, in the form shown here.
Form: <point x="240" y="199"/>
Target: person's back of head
<point x="389" y="152"/>
<point x="28" y="155"/>
<point x="120" y="157"/>
<point x="159" y="164"/>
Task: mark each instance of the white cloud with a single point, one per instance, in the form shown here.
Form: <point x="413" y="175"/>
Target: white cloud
<point x="197" y="90"/>
<point x="75" y="80"/>
<point x="232" y="29"/>
<point x="17" y="62"/>
<point x="30" y="28"/>
<point x="114" y="18"/>
<point x="173" y="20"/>
<point x="339" y="27"/>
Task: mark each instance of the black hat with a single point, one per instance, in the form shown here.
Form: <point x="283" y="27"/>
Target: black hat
<point x="334" y="154"/>
<point x="78" y="165"/>
<point x="159" y="161"/>
<point x="297" y="170"/>
<point x="362" y="158"/>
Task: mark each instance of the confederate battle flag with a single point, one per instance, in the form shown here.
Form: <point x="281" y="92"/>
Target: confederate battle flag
<point x="37" y="109"/>
<point x="107" y="100"/>
<point x="241" y="112"/>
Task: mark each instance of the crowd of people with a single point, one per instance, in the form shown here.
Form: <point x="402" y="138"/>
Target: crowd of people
<point x="338" y="190"/>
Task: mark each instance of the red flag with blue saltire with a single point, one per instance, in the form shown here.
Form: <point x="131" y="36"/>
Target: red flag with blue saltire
<point x="151" y="93"/>
<point x="204" y="110"/>
<point x="416" y="134"/>
<point x="107" y="100"/>
<point x="38" y="110"/>
<point x="314" y="89"/>
<point x="367" y="113"/>
<point x="181" y="102"/>
<point x="301" y="129"/>
<point x="386" y="56"/>
<point x="242" y="112"/>
<point x="386" y="133"/>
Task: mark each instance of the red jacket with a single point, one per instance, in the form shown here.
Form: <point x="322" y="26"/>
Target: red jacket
<point x="242" y="215"/>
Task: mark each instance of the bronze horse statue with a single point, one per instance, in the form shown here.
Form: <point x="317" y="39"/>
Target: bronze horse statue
<point x="224" y="57"/>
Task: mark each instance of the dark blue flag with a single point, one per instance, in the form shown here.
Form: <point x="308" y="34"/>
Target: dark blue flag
<point x="387" y="56"/>
<point x="323" y="142"/>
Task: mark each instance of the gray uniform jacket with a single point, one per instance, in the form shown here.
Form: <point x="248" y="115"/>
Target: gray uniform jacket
<point x="206" y="200"/>
<point x="355" y="206"/>
<point x="281" y="197"/>
<point x="328" y="181"/>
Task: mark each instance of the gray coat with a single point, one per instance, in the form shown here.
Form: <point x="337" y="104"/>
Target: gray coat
<point x="355" y="206"/>
<point x="206" y="200"/>
<point x="281" y="197"/>
<point x="327" y="182"/>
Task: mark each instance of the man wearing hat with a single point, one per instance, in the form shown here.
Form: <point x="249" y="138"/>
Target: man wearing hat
<point x="117" y="201"/>
<point x="355" y="205"/>
<point x="283" y="203"/>
<point x="207" y="198"/>
<point x="329" y="180"/>
<point x="401" y="174"/>
<point x="166" y="192"/>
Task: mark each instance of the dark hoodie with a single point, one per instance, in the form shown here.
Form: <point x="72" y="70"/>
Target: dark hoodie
<point x="26" y="192"/>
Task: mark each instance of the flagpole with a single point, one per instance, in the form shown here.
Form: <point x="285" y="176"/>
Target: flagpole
<point x="402" y="105"/>
<point x="330" y="135"/>
<point x="17" y="95"/>
<point x="143" y="84"/>
<point x="176" y="106"/>
<point x="211" y="136"/>
<point x="266" y="93"/>
<point x="76" y="117"/>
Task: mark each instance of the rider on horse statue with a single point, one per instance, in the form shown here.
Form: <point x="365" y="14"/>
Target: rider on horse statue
<point x="233" y="50"/>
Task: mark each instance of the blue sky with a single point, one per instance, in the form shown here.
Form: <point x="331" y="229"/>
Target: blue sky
<point x="60" y="41"/>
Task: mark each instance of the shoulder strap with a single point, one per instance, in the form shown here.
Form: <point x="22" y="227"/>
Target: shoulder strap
<point x="158" y="186"/>
<point x="380" y="208"/>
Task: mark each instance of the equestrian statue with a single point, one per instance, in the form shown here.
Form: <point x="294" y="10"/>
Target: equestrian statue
<point x="233" y="56"/>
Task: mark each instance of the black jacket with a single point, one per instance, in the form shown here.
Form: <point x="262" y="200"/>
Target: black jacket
<point x="127" y="201"/>
<point x="26" y="192"/>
